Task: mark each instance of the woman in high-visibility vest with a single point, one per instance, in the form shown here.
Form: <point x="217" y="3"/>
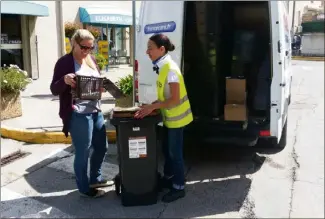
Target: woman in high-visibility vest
<point x="175" y="108"/>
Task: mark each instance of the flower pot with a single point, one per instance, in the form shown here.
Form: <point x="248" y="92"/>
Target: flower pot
<point x="124" y="102"/>
<point x="10" y="105"/>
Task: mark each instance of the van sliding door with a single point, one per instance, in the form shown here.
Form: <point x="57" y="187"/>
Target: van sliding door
<point x="280" y="38"/>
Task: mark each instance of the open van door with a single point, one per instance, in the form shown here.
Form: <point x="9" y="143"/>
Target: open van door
<point x="281" y="66"/>
<point x="156" y="17"/>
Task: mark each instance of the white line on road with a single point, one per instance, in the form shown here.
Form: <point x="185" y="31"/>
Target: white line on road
<point x="15" y="205"/>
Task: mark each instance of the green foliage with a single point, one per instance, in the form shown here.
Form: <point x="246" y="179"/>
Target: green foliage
<point x="13" y="79"/>
<point x="70" y="28"/>
<point x="101" y="61"/>
<point x="126" y="85"/>
<point x="94" y="31"/>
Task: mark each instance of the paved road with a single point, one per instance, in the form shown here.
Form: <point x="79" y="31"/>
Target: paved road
<point x="229" y="183"/>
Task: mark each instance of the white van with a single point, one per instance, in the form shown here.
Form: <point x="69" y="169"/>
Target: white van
<point x="215" y="40"/>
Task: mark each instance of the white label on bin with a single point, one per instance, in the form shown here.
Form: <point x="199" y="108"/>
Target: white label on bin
<point x="137" y="147"/>
<point x="136" y="129"/>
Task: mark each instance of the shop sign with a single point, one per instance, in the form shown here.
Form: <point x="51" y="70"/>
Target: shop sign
<point x="113" y="19"/>
<point x="67" y="45"/>
<point x="103" y="48"/>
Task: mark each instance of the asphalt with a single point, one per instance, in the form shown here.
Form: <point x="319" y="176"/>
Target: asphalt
<point x="221" y="182"/>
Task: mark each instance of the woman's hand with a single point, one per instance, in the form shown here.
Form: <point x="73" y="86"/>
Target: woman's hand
<point x="69" y="79"/>
<point x="144" y="111"/>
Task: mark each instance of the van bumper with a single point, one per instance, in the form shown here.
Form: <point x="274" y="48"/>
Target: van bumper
<point x="226" y="133"/>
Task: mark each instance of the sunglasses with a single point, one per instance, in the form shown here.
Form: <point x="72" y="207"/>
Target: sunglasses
<point x="85" y="47"/>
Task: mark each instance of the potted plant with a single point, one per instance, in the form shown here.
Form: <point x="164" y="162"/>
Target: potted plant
<point x="101" y="61"/>
<point x="125" y="84"/>
<point x="94" y="31"/>
<point x="13" y="80"/>
<point x="70" y="28"/>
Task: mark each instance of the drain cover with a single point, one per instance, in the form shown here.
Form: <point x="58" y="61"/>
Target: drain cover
<point x="12" y="157"/>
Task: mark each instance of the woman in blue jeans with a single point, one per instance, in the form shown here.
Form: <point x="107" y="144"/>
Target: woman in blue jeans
<point x="82" y="118"/>
<point x="173" y="102"/>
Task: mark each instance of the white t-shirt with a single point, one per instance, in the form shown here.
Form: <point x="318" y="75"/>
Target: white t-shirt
<point x="172" y="77"/>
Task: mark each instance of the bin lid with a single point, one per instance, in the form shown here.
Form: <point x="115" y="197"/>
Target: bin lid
<point x="122" y="115"/>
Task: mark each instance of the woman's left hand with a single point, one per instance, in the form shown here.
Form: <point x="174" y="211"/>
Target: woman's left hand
<point x="144" y="111"/>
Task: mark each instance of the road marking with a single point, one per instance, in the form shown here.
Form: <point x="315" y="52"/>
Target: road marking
<point x="15" y="205"/>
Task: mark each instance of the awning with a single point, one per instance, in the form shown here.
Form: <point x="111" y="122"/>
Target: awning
<point x="23" y="8"/>
<point x="101" y="16"/>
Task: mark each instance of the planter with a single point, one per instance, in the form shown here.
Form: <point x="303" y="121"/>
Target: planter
<point x="124" y="102"/>
<point x="10" y="105"/>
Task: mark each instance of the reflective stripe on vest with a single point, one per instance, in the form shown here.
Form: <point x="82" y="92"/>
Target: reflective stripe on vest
<point x="181" y="114"/>
<point x="185" y="98"/>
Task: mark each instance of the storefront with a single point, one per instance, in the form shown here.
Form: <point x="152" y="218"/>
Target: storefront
<point x="114" y="24"/>
<point x="18" y="40"/>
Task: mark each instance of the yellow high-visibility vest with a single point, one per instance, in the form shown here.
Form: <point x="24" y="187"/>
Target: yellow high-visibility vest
<point x="180" y="115"/>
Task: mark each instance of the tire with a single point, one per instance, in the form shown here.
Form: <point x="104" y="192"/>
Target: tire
<point x="117" y="184"/>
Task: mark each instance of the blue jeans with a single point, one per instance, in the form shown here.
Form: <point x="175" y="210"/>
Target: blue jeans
<point x="172" y="145"/>
<point x="88" y="130"/>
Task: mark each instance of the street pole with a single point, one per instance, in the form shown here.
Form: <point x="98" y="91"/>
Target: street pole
<point x="134" y="43"/>
<point x="293" y="19"/>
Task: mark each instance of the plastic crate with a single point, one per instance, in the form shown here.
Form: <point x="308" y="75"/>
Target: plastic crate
<point x="88" y="88"/>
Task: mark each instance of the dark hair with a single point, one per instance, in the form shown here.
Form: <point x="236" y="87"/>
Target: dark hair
<point x="162" y="40"/>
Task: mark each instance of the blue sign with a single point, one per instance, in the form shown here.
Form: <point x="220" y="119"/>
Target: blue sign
<point x="160" y="27"/>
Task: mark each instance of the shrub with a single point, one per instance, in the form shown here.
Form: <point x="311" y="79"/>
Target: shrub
<point x="13" y="79"/>
<point x="94" y="31"/>
<point x="126" y="85"/>
<point x="101" y="61"/>
<point x="70" y="28"/>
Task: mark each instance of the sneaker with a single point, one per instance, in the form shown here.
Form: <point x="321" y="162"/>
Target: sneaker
<point x="173" y="195"/>
<point x="103" y="183"/>
<point x="93" y="193"/>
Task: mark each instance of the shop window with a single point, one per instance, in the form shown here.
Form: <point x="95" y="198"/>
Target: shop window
<point x="118" y="38"/>
<point x="11" y="40"/>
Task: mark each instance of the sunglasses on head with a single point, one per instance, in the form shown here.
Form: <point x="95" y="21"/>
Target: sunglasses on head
<point x="85" y="47"/>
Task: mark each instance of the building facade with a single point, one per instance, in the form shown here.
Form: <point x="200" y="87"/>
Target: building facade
<point x="32" y="32"/>
<point x="299" y="9"/>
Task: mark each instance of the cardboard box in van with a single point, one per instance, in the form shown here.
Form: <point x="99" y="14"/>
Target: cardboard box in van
<point x="235" y="91"/>
<point x="235" y="112"/>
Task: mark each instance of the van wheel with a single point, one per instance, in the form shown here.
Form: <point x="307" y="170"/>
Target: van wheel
<point x="283" y="140"/>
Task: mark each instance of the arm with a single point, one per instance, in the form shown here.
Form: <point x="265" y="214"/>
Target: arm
<point x="172" y="101"/>
<point x="58" y="85"/>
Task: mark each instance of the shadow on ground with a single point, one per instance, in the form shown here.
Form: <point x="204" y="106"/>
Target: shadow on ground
<point x="217" y="183"/>
<point x="42" y="97"/>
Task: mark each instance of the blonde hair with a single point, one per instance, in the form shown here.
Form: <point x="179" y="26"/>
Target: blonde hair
<point x="80" y="35"/>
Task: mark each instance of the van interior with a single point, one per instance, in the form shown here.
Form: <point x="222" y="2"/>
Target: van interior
<point x="227" y="39"/>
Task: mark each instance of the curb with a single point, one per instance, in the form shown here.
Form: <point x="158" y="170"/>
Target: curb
<point x="302" y="58"/>
<point x="44" y="137"/>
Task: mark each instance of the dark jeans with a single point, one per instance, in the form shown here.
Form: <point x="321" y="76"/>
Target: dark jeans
<point x="172" y="144"/>
<point x="88" y="130"/>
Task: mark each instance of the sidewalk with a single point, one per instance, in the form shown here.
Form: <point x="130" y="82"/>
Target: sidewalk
<point x="40" y="122"/>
